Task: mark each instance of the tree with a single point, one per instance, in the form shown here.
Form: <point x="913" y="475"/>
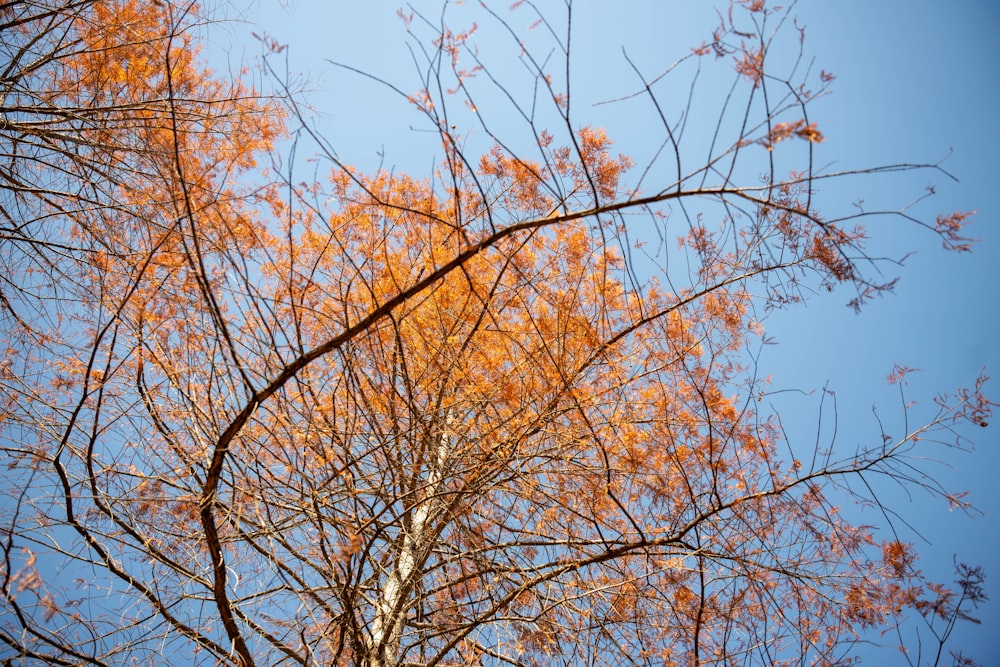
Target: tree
<point x="376" y="419"/>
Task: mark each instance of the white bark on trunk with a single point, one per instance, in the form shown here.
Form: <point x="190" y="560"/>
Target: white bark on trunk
<point x="395" y="600"/>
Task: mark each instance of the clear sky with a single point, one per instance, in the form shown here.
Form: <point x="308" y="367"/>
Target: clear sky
<point x="916" y="82"/>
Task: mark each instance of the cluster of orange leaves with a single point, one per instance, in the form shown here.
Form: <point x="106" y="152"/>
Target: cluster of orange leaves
<point x="781" y="131"/>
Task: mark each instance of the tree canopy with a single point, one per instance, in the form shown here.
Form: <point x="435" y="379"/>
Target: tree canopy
<point x="503" y="413"/>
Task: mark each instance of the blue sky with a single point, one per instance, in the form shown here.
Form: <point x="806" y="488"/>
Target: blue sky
<point x="916" y="82"/>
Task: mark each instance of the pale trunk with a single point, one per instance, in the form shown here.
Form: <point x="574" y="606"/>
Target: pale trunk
<point x="395" y="599"/>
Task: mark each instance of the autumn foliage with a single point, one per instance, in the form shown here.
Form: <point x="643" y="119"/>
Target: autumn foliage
<point x="378" y="419"/>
